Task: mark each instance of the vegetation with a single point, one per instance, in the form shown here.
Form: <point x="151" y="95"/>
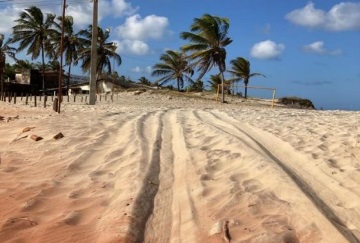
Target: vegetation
<point x="208" y="39"/>
<point x="71" y="43"/>
<point x="174" y="66"/>
<point x="32" y="31"/>
<point x="297" y="102"/>
<point x="105" y="51"/>
<point x="144" y="81"/>
<point x="240" y="69"/>
<point x="40" y="35"/>
<point x="5" y="49"/>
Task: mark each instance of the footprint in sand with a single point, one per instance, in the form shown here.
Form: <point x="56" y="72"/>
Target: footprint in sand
<point x="31" y="204"/>
<point x="72" y="218"/>
<point x="252" y="185"/>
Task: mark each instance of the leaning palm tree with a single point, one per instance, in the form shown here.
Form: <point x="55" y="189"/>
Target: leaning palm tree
<point x="174" y="66"/>
<point x="105" y="51"/>
<point x="24" y="64"/>
<point x="240" y="69"/>
<point x="208" y="39"/>
<point x="71" y="43"/>
<point x="32" y="31"/>
<point x="5" y="50"/>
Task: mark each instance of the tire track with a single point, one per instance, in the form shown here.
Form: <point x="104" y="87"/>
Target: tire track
<point x="159" y="225"/>
<point x="143" y="205"/>
<point x="302" y="184"/>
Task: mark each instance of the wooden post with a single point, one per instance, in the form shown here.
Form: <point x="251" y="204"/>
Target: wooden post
<point x="55" y="104"/>
<point x="74" y="98"/>
<point x="9" y="97"/>
<point x="14" y="98"/>
<point x="68" y="98"/>
<point x="21" y="96"/>
<point x="85" y="99"/>
<point x="35" y="101"/>
<point x="40" y="97"/>
<point x="45" y="99"/>
<point x="26" y="99"/>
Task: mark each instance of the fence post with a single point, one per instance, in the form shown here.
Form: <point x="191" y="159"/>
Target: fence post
<point x="55" y="104"/>
<point x="74" y="98"/>
<point x="35" y="101"/>
<point x="26" y="99"/>
<point x="45" y="98"/>
<point x="14" y="98"/>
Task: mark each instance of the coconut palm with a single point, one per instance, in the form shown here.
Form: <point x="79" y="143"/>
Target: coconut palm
<point x="32" y="31"/>
<point x="240" y="69"/>
<point x="174" y="66"/>
<point x="208" y="39"/>
<point x="71" y="43"/>
<point x="144" y="80"/>
<point x="105" y="51"/>
<point x="24" y="64"/>
<point x="5" y="50"/>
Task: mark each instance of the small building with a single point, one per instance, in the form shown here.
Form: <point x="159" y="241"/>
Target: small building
<point x="103" y="87"/>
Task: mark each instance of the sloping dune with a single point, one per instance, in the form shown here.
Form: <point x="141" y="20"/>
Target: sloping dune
<point x="157" y="169"/>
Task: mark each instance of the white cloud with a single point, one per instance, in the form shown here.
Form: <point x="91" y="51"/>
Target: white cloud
<point x="121" y="8"/>
<point x="135" y="47"/>
<point x="267" y="50"/>
<point x="148" y="69"/>
<point x="81" y="12"/>
<point x="138" y="69"/>
<point x="341" y="17"/>
<point x="136" y="28"/>
<point x="8" y="15"/>
<point x="318" y="47"/>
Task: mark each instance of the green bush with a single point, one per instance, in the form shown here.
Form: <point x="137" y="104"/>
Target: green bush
<point x="297" y="102"/>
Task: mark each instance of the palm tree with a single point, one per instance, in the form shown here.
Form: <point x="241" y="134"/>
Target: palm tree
<point x="71" y="43"/>
<point x="215" y="81"/>
<point x="144" y="80"/>
<point x="5" y="49"/>
<point x="105" y="51"/>
<point x="240" y="69"/>
<point x="24" y="64"/>
<point x="32" y="31"/>
<point x="208" y="39"/>
<point x="174" y="66"/>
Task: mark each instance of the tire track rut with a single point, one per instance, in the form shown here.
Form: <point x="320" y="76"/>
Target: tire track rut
<point x="302" y="184"/>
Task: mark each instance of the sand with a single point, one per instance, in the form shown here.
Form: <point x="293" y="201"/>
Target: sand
<point x="153" y="168"/>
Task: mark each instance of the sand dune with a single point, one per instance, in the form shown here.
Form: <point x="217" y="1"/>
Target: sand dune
<point x="149" y="168"/>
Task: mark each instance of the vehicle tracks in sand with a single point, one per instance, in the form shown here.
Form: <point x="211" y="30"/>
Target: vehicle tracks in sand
<point x="232" y="129"/>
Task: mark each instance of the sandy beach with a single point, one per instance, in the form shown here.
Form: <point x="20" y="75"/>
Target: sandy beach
<point x="156" y="168"/>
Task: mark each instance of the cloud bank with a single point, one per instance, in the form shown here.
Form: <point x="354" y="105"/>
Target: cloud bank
<point x="318" y="47"/>
<point x="344" y="16"/>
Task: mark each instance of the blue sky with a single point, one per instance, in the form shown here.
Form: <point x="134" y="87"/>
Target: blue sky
<point x="309" y="49"/>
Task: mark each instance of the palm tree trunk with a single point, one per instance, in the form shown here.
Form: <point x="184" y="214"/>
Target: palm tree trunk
<point x="43" y="68"/>
<point x="246" y="81"/>
<point x="222" y="88"/>
<point x="68" y="80"/>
